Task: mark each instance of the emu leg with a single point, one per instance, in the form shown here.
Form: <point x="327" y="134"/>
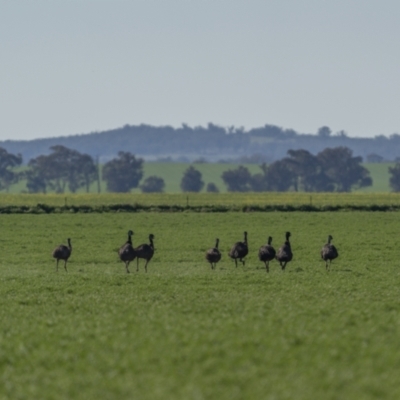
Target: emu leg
<point x="145" y="265"/>
<point x="267" y="266"/>
<point x="65" y="265"/>
<point x="126" y="266"/>
<point x="137" y="264"/>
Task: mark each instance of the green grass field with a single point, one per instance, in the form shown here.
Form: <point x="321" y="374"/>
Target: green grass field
<point x="182" y="331"/>
<point x="172" y="174"/>
<point x="202" y="199"/>
<point x="380" y="176"/>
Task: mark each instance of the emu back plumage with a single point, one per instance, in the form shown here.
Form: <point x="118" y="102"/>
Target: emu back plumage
<point x="62" y="252"/>
<point x="266" y="253"/>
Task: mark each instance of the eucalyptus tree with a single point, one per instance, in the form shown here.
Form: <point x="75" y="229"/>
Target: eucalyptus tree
<point x="61" y="169"/>
<point x="192" y="180"/>
<point x="123" y="173"/>
<point x="8" y="163"/>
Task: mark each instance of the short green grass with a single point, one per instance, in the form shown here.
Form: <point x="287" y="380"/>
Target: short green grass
<point x="380" y="177"/>
<point x="202" y="199"/>
<point x="183" y="331"/>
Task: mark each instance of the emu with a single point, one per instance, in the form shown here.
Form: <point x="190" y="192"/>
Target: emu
<point x="239" y="250"/>
<point x="213" y="255"/>
<point x="145" y="251"/>
<point x="126" y="252"/>
<point x="285" y="254"/>
<point x="329" y="253"/>
<point x="63" y="252"/>
<point x="267" y="253"/>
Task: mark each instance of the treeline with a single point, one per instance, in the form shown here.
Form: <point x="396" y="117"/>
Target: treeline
<point x="331" y="170"/>
<point x="214" y="143"/>
<point x="67" y="169"/>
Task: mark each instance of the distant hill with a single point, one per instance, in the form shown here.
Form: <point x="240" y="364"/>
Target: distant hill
<point x="212" y="143"/>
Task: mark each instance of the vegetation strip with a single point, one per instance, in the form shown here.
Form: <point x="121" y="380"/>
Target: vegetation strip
<point x="132" y="208"/>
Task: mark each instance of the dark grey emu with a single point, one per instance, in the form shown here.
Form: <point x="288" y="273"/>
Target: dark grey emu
<point x="239" y="250"/>
<point x="329" y="253"/>
<point x="285" y="254"/>
<point x="126" y="252"/>
<point x="213" y="255"/>
<point x="63" y="252"/>
<point x="145" y="251"/>
<point x="267" y="253"/>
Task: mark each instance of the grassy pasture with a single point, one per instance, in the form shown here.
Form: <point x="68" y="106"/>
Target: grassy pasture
<point x="183" y="331"/>
<point x="172" y="174"/>
<point x="202" y="199"/>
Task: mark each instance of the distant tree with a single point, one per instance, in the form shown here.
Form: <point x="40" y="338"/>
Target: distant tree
<point x="123" y="173"/>
<point x="39" y="174"/>
<point x="35" y="183"/>
<point x="259" y="181"/>
<point x="310" y="172"/>
<point x="87" y="169"/>
<point x="8" y="162"/>
<point x="192" y="180"/>
<point x="280" y="176"/>
<point x="238" y="180"/>
<point x="324" y="132"/>
<point x="342" y="134"/>
<point x="212" y="188"/>
<point x="63" y="167"/>
<point x="344" y="170"/>
<point x="394" y="180"/>
<point x="153" y="184"/>
<point x="36" y="180"/>
<point x="381" y="138"/>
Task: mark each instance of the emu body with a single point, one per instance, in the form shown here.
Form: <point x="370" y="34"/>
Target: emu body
<point x="213" y="255"/>
<point x="126" y="252"/>
<point x="239" y="250"/>
<point x="329" y="253"/>
<point x="63" y="252"/>
<point x="284" y="254"/>
<point x="267" y="253"/>
<point x="145" y="251"/>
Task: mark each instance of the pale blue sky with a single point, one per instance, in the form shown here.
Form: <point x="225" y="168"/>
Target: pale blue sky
<point x="70" y="67"/>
